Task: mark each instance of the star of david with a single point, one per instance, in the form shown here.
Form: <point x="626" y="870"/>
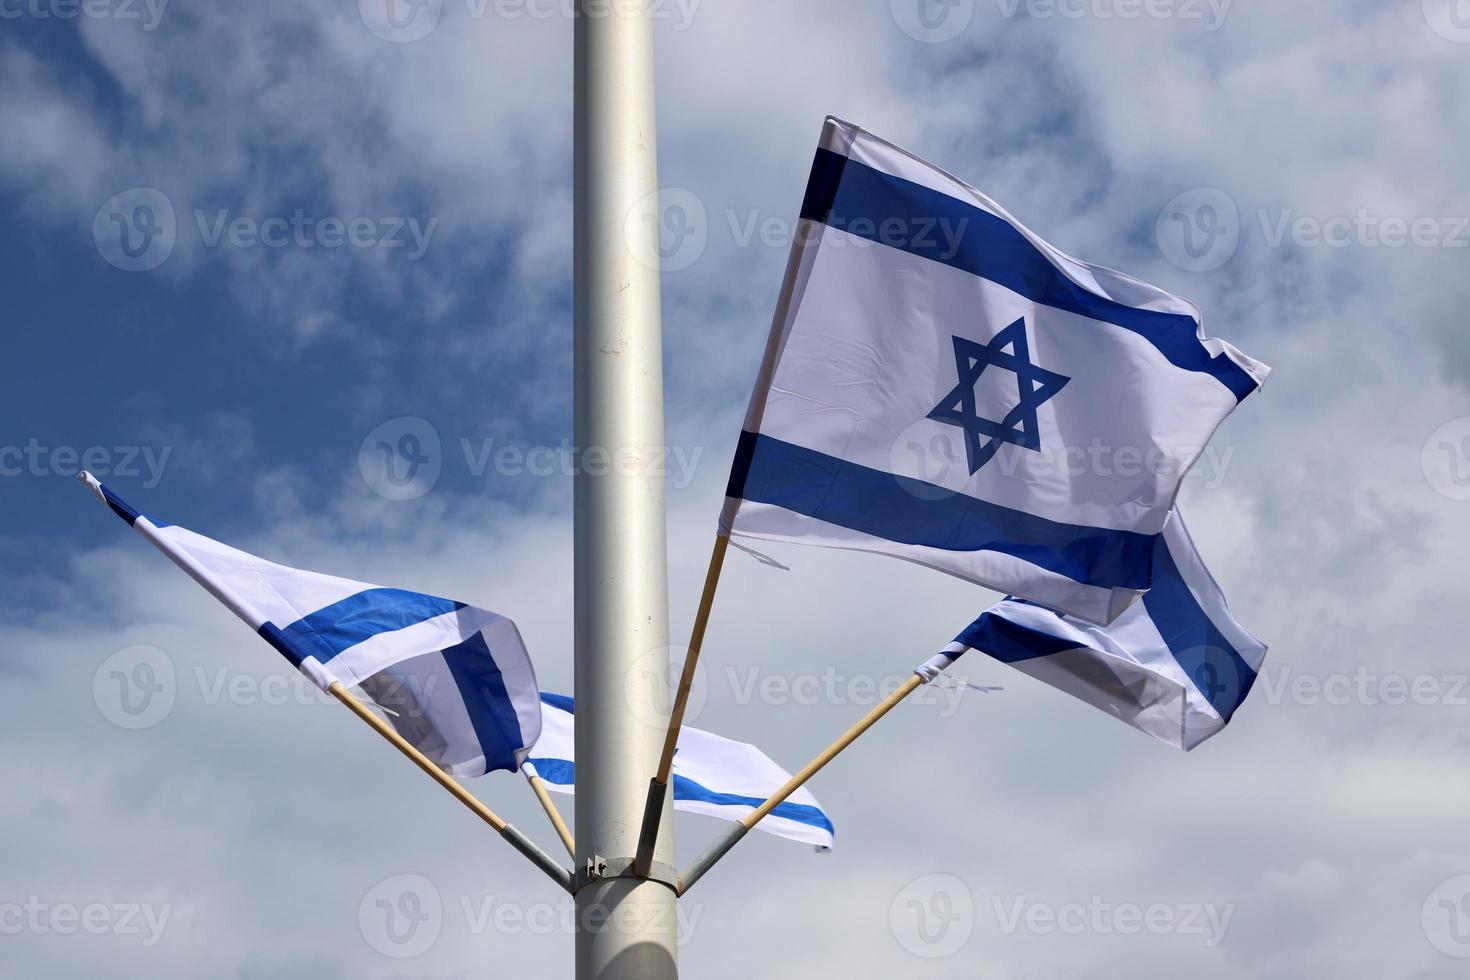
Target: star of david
<point x="1035" y="386"/>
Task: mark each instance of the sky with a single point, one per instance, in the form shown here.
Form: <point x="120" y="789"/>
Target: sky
<point x="250" y="245"/>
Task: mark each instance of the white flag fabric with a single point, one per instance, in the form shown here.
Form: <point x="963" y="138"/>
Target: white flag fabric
<point x="943" y="386"/>
<point x="712" y="775"/>
<point x="457" y="681"/>
<point x="1176" y="665"/>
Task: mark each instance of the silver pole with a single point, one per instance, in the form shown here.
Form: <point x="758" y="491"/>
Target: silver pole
<point x="625" y="925"/>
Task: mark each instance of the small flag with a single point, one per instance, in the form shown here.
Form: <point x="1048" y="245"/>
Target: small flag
<point x="1175" y="665"/>
<point x="712" y="775"/>
<point x="455" y="681"/>
<point x="943" y="386"/>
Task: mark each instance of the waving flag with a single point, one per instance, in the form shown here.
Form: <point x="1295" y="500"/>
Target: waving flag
<point x="1176" y="665"/>
<point x="712" y="775"/>
<point x="943" y="386"/>
<point x="456" y="681"/>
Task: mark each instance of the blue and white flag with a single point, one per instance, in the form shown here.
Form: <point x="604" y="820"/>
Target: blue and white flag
<point x="943" y="386"/>
<point x="1175" y="665"/>
<point x="712" y="775"/>
<point x="455" y="681"/>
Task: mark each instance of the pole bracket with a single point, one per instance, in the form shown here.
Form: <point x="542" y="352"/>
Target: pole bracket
<point x="599" y="868"/>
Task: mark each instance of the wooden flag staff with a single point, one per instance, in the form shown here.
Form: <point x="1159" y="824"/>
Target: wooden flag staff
<point x="553" y="814"/>
<point x="731" y="837"/>
<point x="658" y="787"/>
<point x="514" y="837"/>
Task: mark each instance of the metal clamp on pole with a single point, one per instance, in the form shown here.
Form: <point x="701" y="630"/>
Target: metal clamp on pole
<point x="599" y="868"/>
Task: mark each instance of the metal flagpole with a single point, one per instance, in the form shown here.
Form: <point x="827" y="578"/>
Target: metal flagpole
<point x="497" y="823"/>
<point x="625" y="924"/>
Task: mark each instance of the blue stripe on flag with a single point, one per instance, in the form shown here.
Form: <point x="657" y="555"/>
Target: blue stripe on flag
<point x="1010" y="642"/>
<point x="1210" y="661"/>
<point x="271" y="633"/>
<point x="493" y="715"/>
<point x="688" y="789"/>
<point x="907" y="511"/>
<point x="559" y="701"/>
<point x="120" y="507"/>
<point x="855" y="198"/>
<point x="558" y="771"/>
<point x="564" y="773"/>
<point x="327" y="632"/>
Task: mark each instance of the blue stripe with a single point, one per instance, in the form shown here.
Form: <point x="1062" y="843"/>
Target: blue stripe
<point x="327" y="632"/>
<point x="869" y="203"/>
<point x="120" y="507"/>
<point x="559" y="701"/>
<point x="907" y="511"/>
<point x="1010" y="642"/>
<point x="272" y="635"/>
<point x="688" y="789"/>
<point x="1214" y="666"/>
<point x="490" y="708"/>
<point x="564" y="773"/>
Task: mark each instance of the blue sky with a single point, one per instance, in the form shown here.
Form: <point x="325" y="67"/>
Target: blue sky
<point x="1293" y="139"/>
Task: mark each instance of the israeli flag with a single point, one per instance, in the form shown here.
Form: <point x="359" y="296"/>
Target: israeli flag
<point x="712" y="775"/>
<point x="943" y="386"/>
<point x="455" y="681"/>
<point x="1176" y="665"/>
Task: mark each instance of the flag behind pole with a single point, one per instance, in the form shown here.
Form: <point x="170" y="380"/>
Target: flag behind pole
<point x="943" y="386"/>
<point x="715" y="776"/>
<point x="1176" y="665"/>
<point x="457" y="681"/>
